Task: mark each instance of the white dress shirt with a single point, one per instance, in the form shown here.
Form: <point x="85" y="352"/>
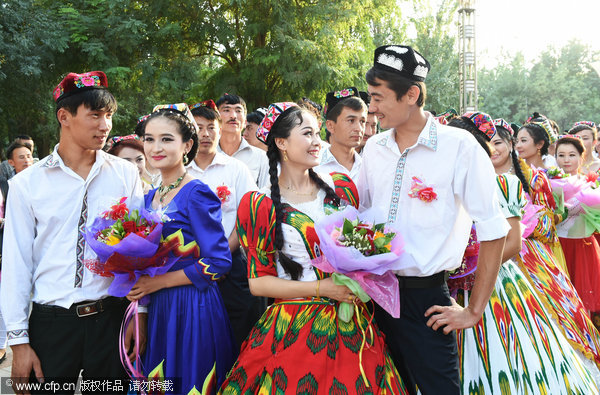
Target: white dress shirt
<point x="330" y="164"/>
<point x="461" y="174"/>
<point x="226" y="171"/>
<point x="43" y="211"/>
<point x="255" y="159"/>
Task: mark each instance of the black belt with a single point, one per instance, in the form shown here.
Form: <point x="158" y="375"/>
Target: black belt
<point x="83" y="309"/>
<point x="432" y="281"/>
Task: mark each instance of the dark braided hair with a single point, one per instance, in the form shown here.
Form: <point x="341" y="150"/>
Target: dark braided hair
<point x="507" y="137"/>
<point x="281" y="128"/>
<point x="468" y="125"/>
<point x="186" y="128"/>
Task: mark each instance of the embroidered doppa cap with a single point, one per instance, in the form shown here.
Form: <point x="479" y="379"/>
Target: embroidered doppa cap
<point x="483" y="122"/>
<point x="545" y="124"/>
<point x="181" y="108"/>
<point x="333" y="98"/>
<point x="273" y="112"/>
<point x="206" y="103"/>
<point x="74" y="83"/>
<point x="446" y="116"/>
<point x="402" y="59"/>
<point x="503" y="124"/>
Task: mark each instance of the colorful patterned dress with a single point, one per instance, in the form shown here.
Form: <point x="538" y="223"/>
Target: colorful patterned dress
<point x="190" y="341"/>
<point x="552" y="285"/>
<point x="299" y="346"/>
<point x="516" y="348"/>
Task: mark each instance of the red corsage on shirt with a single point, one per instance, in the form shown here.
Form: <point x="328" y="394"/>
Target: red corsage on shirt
<point x="419" y="190"/>
<point x="223" y="193"/>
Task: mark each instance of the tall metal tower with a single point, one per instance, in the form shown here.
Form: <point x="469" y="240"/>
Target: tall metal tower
<point x="468" y="61"/>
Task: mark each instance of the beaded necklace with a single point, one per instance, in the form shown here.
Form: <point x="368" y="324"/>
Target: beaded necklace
<point x="164" y="189"/>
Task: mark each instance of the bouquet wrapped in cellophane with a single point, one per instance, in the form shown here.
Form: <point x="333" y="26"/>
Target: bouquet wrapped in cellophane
<point x="362" y="253"/>
<point x="128" y="243"/>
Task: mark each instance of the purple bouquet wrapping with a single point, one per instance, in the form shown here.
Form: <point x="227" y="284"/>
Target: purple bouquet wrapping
<point x="353" y="244"/>
<point x="128" y="245"/>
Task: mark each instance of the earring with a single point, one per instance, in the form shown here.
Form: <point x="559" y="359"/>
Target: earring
<point x="285" y="157"/>
<point x="185" y="159"/>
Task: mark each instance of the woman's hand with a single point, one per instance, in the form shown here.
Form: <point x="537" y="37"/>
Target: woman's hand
<point x="340" y="293"/>
<point x="145" y="286"/>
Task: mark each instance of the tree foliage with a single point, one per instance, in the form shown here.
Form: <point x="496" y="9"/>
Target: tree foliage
<point x="156" y="51"/>
<point x="561" y="84"/>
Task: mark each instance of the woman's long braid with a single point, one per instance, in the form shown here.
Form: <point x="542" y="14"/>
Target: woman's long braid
<point x="519" y="171"/>
<point x="329" y="192"/>
<point x="294" y="269"/>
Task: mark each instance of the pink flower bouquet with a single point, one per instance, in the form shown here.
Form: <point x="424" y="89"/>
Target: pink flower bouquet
<point x="354" y="245"/>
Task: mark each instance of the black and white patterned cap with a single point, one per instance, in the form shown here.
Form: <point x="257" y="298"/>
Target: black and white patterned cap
<point x="402" y="59"/>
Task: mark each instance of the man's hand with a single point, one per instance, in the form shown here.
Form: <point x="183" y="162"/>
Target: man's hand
<point x="24" y="361"/>
<point x="130" y="336"/>
<point x="451" y="317"/>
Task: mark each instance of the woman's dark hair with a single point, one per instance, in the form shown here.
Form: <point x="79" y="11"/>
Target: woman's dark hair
<point x="255" y="117"/>
<point x="399" y="84"/>
<point x="130" y="143"/>
<point x="578" y="128"/>
<point x="574" y="141"/>
<point x="186" y="128"/>
<point x="469" y="126"/>
<point x="508" y="138"/>
<point x="538" y="134"/>
<point x="94" y="99"/>
<point x="286" y="121"/>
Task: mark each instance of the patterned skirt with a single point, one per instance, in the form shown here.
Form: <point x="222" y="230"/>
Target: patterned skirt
<point x="559" y="298"/>
<point x="516" y="348"/>
<point x="301" y="347"/>
<point x="583" y="261"/>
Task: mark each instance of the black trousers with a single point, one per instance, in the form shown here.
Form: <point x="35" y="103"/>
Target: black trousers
<point x="424" y="357"/>
<point x="67" y="344"/>
<point x="243" y="308"/>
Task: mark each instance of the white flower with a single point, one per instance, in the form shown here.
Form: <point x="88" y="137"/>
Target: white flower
<point x="398" y="50"/>
<point x="421" y="71"/>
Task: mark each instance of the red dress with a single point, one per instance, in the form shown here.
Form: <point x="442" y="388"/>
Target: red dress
<point x="300" y="346"/>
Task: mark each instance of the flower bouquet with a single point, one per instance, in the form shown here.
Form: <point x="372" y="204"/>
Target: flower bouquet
<point x="128" y="245"/>
<point x="361" y="253"/>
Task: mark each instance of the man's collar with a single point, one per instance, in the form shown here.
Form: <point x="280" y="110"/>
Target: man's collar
<point x="54" y="160"/>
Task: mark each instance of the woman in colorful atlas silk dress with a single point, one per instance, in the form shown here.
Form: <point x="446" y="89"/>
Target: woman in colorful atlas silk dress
<point x="552" y="284"/>
<point x="300" y="345"/>
<point x="576" y="232"/>
<point x="515" y="348"/>
<point x="189" y="337"/>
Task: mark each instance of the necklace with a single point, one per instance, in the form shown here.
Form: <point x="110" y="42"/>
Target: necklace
<point x="290" y="188"/>
<point x="164" y="189"/>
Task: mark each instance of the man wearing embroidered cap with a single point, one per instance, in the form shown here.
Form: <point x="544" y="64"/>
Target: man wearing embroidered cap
<point x="74" y="323"/>
<point x="346" y="116"/>
<point x="433" y="181"/>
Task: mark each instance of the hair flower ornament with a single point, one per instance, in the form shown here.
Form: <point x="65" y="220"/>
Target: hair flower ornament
<point x="419" y="190"/>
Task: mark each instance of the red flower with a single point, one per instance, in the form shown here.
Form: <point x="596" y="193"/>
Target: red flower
<point x="223" y="193"/>
<point x="427" y="194"/>
<point x="118" y="211"/>
<point x="591" y="177"/>
<point x="129" y="227"/>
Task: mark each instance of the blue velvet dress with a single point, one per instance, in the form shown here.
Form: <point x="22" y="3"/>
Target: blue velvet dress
<point x="189" y="336"/>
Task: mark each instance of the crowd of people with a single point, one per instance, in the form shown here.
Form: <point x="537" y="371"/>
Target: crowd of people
<point x="500" y="268"/>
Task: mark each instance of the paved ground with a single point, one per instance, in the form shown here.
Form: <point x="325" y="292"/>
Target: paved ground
<point x="5" y="367"/>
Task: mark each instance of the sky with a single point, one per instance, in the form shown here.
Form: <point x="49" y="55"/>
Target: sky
<point x="530" y="26"/>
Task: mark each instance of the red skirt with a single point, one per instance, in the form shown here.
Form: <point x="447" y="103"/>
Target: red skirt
<point x="302" y="347"/>
<point x="583" y="263"/>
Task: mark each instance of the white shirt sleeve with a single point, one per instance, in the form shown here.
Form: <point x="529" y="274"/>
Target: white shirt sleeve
<point x="244" y="183"/>
<point x="475" y="185"/>
<point x="17" y="264"/>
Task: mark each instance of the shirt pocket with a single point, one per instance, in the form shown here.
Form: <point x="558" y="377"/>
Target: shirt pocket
<point x="427" y="215"/>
